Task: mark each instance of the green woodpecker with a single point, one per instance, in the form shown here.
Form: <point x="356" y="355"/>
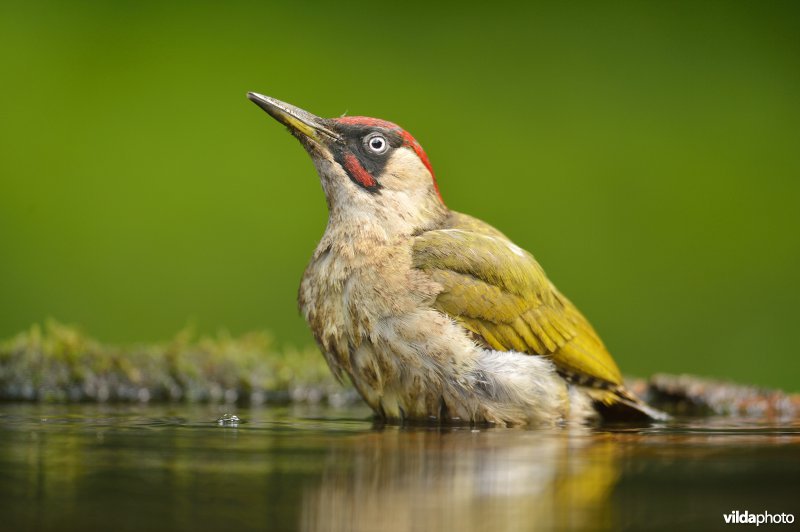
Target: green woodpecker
<point x="433" y="315"/>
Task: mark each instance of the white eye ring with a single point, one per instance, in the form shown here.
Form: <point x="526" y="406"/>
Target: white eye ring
<point x="377" y="143"/>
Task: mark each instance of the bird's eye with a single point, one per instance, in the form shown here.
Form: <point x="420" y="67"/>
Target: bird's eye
<point x="377" y="143"/>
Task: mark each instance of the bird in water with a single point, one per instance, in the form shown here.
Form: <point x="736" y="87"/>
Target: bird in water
<point x="433" y="315"/>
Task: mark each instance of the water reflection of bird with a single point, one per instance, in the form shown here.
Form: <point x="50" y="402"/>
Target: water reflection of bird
<point x="433" y="314"/>
<point x="464" y="480"/>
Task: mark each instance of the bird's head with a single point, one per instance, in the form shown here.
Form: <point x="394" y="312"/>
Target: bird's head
<point x="371" y="170"/>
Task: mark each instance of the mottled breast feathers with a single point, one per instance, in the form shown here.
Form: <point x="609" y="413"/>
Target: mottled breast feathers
<point x="499" y="292"/>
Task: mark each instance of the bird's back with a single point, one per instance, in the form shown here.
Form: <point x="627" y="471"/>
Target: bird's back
<point x="501" y="295"/>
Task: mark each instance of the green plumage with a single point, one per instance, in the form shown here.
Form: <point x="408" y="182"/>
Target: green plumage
<point x="500" y="293"/>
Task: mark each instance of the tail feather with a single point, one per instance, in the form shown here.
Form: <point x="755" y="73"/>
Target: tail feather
<point x="619" y="404"/>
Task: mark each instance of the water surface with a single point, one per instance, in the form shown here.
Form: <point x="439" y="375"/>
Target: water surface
<point x="87" y="467"/>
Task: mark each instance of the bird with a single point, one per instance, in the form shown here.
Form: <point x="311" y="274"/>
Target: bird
<point x="435" y="316"/>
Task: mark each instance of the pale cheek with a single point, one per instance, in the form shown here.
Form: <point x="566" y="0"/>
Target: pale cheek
<point x="334" y="179"/>
<point x="405" y="172"/>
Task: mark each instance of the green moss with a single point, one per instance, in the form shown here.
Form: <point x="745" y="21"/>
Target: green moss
<point x="60" y="363"/>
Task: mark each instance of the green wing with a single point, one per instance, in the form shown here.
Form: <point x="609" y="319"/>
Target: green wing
<point x="500" y="293"/>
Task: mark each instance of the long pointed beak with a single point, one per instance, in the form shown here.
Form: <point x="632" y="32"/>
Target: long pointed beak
<point x="296" y="119"/>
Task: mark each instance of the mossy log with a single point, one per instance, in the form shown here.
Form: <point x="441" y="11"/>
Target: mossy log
<point x="58" y="363"/>
<point x="693" y="396"/>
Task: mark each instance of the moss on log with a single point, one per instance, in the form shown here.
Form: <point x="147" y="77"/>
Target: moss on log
<point x="59" y="363"/>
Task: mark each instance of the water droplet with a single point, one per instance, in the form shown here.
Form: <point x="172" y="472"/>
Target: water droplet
<point x="228" y="420"/>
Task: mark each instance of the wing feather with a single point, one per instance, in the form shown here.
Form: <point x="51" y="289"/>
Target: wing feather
<point x="500" y="293"/>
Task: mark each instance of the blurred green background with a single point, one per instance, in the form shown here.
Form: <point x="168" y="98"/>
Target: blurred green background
<point x="645" y="152"/>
